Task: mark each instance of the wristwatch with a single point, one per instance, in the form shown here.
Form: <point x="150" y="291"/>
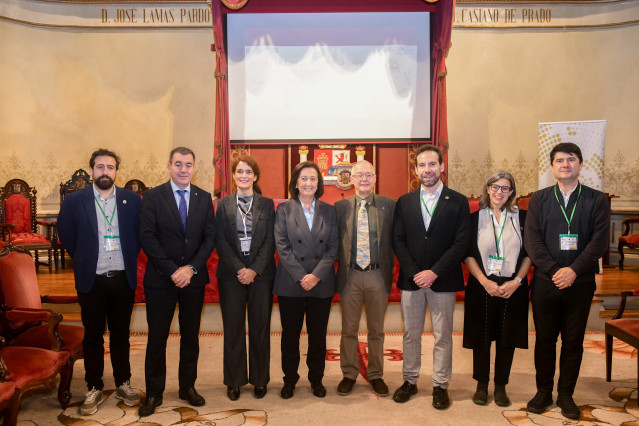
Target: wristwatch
<point x="195" y="270"/>
<point x="519" y="279"/>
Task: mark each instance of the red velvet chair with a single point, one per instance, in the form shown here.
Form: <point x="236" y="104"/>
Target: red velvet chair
<point x="9" y="398"/>
<point x="626" y="330"/>
<point x="19" y="289"/>
<point x="34" y="369"/>
<point x="18" y="208"/>
<point x="627" y="240"/>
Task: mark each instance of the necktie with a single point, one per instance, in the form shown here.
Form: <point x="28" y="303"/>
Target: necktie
<point x="182" y="206"/>
<point x="363" y="257"/>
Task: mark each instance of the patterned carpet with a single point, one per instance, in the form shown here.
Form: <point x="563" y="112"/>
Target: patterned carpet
<point x="602" y="403"/>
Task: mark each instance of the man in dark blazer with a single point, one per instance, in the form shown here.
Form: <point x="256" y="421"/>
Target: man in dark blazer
<point x="430" y="238"/>
<point x="104" y="247"/>
<point x="365" y="224"/>
<point x="567" y="231"/>
<point x="177" y="233"/>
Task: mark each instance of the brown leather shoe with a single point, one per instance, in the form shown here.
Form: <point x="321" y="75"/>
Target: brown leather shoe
<point x="345" y="387"/>
<point x="379" y="387"/>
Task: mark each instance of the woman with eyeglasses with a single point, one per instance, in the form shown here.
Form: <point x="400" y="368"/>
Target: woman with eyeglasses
<point x="496" y="301"/>
<point x="306" y="239"/>
<point x="245" y="272"/>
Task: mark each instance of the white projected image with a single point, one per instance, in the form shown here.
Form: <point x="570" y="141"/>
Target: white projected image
<point x="282" y="87"/>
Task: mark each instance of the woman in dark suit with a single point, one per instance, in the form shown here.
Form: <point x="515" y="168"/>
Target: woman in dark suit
<point x="245" y="272"/>
<point x="496" y="302"/>
<point x="306" y="238"/>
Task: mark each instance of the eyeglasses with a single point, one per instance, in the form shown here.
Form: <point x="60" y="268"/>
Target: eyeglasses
<point x="360" y="176"/>
<point x="504" y="189"/>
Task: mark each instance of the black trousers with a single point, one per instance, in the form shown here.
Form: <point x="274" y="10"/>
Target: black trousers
<point x="292" y="311"/>
<point x="110" y="301"/>
<point x="560" y="311"/>
<point x="236" y="301"/>
<point x="160" y="307"/>
<point x="503" y="363"/>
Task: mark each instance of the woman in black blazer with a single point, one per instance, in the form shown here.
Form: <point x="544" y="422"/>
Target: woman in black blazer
<point x="245" y="272"/>
<point x="496" y="302"/>
<point x="306" y="238"/>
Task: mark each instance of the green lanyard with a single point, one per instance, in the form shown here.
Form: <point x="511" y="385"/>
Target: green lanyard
<point x="497" y="240"/>
<point x="108" y="221"/>
<point x="426" y="207"/>
<point x="569" y="221"/>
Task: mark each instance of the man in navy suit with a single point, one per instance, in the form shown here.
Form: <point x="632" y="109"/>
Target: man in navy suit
<point x="177" y="233"/>
<point x="430" y="238"/>
<point x="98" y="226"/>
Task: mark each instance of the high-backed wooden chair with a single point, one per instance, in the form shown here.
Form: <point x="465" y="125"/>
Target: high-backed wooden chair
<point x="18" y="211"/>
<point x="79" y="180"/>
<point x="624" y="329"/>
<point x="136" y="185"/>
<point x="19" y="292"/>
<point x="627" y="240"/>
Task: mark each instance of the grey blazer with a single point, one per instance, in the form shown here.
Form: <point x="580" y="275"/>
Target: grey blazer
<point x="381" y="206"/>
<point x="302" y="251"/>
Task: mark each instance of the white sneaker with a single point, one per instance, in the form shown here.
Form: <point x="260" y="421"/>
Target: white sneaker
<point x="127" y="395"/>
<point x="91" y="402"/>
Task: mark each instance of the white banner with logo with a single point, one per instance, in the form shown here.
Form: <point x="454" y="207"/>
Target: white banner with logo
<point x="589" y="136"/>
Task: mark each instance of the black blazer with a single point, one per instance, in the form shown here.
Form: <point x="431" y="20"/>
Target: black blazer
<point x="262" y="252"/>
<point x="78" y="230"/>
<point x="440" y="249"/>
<point x="166" y="243"/>
<point x="302" y="251"/>
<point x="383" y="207"/>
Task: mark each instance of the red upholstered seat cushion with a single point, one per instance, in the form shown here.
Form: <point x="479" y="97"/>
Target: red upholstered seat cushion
<point x="6" y="390"/>
<point x="18" y="212"/>
<point x="630" y="326"/>
<point x="30" y="364"/>
<point x="28" y="238"/>
<point x="36" y="337"/>
<point x="630" y="239"/>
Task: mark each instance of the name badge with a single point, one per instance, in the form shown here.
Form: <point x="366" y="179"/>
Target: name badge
<point x="245" y="244"/>
<point x="494" y="264"/>
<point x="112" y="242"/>
<point x="568" y="241"/>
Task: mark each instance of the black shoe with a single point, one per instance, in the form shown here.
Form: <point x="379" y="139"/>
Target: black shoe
<point x="288" y="390"/>
<point x="259" y="391"/>
<point x="481" y="394"/>
<point x="233" y="393"/>
<point x="540" y="402"/>
<point x="440" y="398"/>
<point x="194" y="398"/>
<point x="345" y="387"/>
<point x="501" y="397"/>
<point x="318" y="389"/>
<point x="568" y="407"/>
<point x="379" y="387"/>
<point x="404" y="392"/>
<point x="149" y="405"/>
